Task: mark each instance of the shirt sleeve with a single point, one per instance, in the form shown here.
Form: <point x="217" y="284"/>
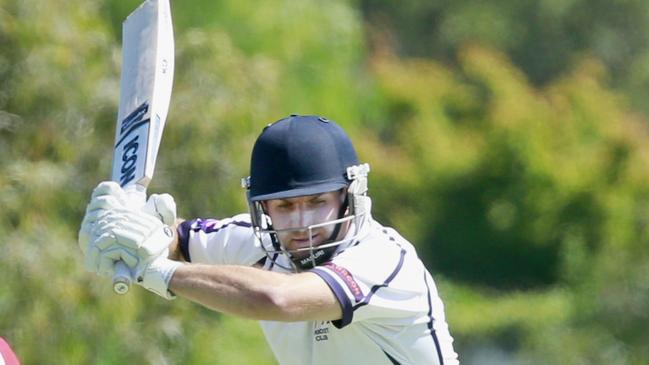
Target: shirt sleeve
<point x="220" y="241"/>
<point x="376" y="279"/>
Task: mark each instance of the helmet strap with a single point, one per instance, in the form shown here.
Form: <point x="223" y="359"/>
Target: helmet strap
<point x="341" y="213"/>
<point x="273" y="236"/>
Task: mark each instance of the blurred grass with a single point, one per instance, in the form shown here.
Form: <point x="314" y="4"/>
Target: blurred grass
<point x="478" y="312"/>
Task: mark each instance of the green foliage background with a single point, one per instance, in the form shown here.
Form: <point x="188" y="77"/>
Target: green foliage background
<point x="508" y="141"/>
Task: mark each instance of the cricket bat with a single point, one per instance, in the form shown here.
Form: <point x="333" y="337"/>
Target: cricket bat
<point x="145" y="92"/>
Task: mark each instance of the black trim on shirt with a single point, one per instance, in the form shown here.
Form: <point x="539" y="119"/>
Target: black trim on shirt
<point x="339" y="292"/>
<point x="430" y="323"/>
<point x="392" y="359"/>
<point x="387" y="281"/>
<point x="183" y="238"/>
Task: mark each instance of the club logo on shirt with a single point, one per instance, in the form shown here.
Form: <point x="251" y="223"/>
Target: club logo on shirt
<point x="321" y="332"/>
<point x="347" y="278"/>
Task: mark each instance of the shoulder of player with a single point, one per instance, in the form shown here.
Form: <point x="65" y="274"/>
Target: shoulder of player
<point x="385" y="238"/>
<point x="382" y="256"/>
<point x="378" y="247"/>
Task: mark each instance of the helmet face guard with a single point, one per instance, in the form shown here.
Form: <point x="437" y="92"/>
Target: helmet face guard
<point x="301" y="156"/>
<point x="353" y="214"/>
<point x="316" y="254"/>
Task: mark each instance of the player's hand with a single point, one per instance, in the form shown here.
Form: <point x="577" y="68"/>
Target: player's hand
<point x="107" y="210"/>
<point x="163" y="207"/>
<point x="107" y="196"/>
<point x="135" y="237"/>
<point x="156" y="275"/>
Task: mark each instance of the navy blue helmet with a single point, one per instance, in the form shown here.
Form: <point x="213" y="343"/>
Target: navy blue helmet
<point x="305" y="155"/>
<point x="300" y="155"/>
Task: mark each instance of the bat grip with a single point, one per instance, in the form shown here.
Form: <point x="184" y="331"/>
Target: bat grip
<point x="122" y="279"/>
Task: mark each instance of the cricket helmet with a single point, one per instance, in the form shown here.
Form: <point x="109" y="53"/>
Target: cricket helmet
<point x="305" y="155"/>
<point x="300" y="155"/>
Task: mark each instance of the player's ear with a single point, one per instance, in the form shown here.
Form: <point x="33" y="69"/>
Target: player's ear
<point x="342" y="194"/>
<point x="342" y="197"/>
<point x="344" y="204"/>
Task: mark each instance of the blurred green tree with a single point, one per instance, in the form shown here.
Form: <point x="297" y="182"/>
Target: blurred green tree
<point x="520" y="190"/>
<point x="543" y="38"/>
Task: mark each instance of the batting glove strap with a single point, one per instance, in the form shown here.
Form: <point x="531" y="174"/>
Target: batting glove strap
<point x="157" y="275"/>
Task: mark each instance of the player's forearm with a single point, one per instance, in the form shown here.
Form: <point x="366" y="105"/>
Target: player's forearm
<point x="252" y="293"/>
<point x="239" y="290"/>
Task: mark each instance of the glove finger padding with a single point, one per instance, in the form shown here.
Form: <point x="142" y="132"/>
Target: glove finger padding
<point x="93" y="255"/>
<point x="105" y="202"/>
<point x="163" y="207"/>
<point x="107" y="248"/>
<point x="134" y="237"/>
<point x="83" y="237"/>
<point x="138" y="234"/>
<point x="87" y="226"/>
<point x="106" y="266"/>
<point x="109" y="188"/>
<point x="113" y="231"/>
<point x="109" y="256"/>
<point x="139" y="229"/>
<point x="91" y="259"/>
<point x="107" y="196"/>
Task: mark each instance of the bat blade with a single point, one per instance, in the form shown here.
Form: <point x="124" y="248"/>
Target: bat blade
<point x="145" y="93"/>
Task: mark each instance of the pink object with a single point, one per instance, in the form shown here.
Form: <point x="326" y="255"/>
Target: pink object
<point x="7" y="356"/>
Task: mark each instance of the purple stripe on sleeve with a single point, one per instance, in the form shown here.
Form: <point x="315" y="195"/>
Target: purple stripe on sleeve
<point x="213" y="225"/>
<point x="339" y="292"/>
<point x="205" y="225"/>
<point x="430" y="323"/>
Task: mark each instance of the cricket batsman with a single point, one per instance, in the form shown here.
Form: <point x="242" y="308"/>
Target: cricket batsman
<point x="329" y="284"/>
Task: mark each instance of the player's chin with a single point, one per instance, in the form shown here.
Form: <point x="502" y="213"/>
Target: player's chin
<point x="302" y="255"/>
<point x="301" y="249"/>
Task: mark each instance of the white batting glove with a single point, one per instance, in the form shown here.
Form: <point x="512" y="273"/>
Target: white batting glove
<point x="156" y="275"/>
<point x="163" y="207"/>
<point x="112" y="231"/>
<point x="108" y="195"/>
<point x="135" y="237"/>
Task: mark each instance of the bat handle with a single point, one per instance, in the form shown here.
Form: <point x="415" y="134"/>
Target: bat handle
<point x="122" y="279"/>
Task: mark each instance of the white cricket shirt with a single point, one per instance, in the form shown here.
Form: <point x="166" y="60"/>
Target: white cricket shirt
<point x="392" y="313"/>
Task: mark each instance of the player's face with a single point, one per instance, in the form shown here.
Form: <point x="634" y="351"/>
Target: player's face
<point x="291" y="218"/>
